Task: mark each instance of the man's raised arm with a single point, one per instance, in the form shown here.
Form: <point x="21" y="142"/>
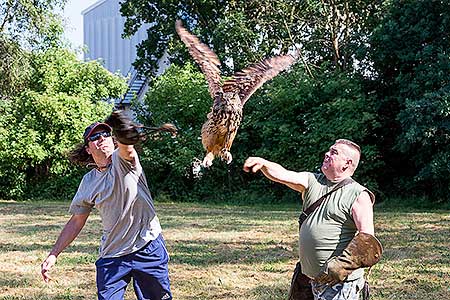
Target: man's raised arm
<point x="295" y="180"/>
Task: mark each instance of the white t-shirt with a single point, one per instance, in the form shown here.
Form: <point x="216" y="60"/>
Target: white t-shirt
<point x="123" y="200"/>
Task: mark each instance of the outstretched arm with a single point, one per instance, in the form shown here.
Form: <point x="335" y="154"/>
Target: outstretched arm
<point x="67" y="235"/>
<point x="295" y="180"/>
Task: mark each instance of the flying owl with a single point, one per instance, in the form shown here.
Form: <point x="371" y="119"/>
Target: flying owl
<point x="220" y="128"/>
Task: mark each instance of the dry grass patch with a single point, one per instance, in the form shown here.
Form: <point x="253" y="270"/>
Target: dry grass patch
<point x="217" y="252"/>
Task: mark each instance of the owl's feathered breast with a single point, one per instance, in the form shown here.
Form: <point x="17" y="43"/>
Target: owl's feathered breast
<point x="222" y="122"/>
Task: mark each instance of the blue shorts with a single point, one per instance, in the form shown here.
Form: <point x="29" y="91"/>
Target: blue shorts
<point x="148" y="267"/>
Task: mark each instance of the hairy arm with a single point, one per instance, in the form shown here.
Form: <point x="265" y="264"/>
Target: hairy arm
<point x="362" y="212"/>
<point x="275" y="172"/>
<point x="67" y="235"/>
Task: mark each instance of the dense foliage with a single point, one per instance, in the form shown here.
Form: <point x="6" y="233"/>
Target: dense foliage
<point x="246" y="31"/>
<point x="179" y="96"/>
<point x="410" y="51"/>
<point x="40" y="124"/>
<point x="376" y="72"/>
<point x="31" y="23"/>
<point x="25" y="26"/>
<point x="372" y="71"/>
<point x="14" y="68"/>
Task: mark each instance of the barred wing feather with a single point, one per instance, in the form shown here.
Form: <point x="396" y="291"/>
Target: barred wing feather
<point x="204" y="57"/>
<point x="251" y="78"/>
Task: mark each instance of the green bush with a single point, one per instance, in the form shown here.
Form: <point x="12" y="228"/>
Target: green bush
<point x="41" y="124"/>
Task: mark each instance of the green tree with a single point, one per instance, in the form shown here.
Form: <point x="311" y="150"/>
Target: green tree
<point x="242" y="32"/>
<point x="337" y="31"/>
<point x="31" y="23"/>
<point x="297" y="117"/>
<point x="412" y="63"/>
<point x="179" y="96"/>
<point x="25" y="26"/>
<point x="14" y="68"/>
<point x="47" y="119"/>
<point x="223" y="25"/>
<point x="324" y="91"/>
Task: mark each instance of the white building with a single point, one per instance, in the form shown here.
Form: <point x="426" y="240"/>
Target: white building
<point x="102" y="34"/>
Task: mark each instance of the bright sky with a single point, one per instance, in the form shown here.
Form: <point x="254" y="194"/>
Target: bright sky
<point x="74" y="20"/>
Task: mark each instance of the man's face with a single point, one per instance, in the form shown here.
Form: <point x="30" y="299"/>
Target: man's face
<point x="100" y="144"/>
<point x="336" y="161"/>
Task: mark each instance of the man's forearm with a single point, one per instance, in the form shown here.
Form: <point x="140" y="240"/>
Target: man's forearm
<point x="69" y="233"/>
<point x="278" y="173"/>
<point x="274" y="171"/>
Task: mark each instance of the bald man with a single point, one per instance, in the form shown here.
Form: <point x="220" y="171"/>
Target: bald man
<point x="341" y="226"/>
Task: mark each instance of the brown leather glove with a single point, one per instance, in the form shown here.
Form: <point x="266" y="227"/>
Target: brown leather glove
<point x="125" y="131"/>
<point x="364" y="250"/>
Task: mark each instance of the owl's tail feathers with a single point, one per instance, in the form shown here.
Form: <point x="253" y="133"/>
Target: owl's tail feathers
<point x="166" y="127"/>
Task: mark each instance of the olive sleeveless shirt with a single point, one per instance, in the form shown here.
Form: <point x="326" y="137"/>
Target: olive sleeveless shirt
<point x="329" y="229"/>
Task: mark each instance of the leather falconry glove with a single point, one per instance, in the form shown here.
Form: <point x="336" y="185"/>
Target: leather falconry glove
<point x="364" y="250"/>
<point x="129" y="133"/>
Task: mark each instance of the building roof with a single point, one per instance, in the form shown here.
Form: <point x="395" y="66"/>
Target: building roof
<point x="99" y="2"/>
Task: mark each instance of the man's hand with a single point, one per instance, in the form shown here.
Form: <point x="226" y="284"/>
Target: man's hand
<point x="332" y="272"/>
<point x="48" y="263"/>
<point x="254" y="164"/>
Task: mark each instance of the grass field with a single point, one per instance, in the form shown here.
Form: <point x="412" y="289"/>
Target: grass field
<point x="219" y="252"/>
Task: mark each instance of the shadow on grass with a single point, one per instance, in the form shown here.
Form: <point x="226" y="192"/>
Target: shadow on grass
<point x="15" y="280"/>
<point x="18" y="281"/>
<point x="31" y="230"/>
<point x="67" y="295"/>
<point x="274" y="291"/>
<point x="409" y="289"/>
<point x="207" y="253"/>
<point x="35" y="208"/>
<point x="426" y="240"/>
<point x="10" y="247"/>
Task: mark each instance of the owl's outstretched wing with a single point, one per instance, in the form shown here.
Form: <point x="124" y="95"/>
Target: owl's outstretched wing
<point x="203" y="56"/>
<point x="251" y="78"/>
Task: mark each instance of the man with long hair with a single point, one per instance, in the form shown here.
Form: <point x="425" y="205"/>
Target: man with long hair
<point x="132" y="246"/>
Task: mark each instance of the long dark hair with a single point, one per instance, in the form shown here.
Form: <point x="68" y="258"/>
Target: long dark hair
<point x="79" y="156"/>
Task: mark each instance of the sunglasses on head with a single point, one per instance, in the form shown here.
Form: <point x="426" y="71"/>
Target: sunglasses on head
<point x="97" y="135"/>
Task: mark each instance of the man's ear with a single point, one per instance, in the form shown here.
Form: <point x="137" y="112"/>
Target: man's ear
<point x="88" y="151"/>
<point x="348" y="164"/>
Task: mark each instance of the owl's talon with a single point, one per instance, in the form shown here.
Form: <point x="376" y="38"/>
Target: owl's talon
<point x="207" y="161"/>
<point x="226" y="156"/>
